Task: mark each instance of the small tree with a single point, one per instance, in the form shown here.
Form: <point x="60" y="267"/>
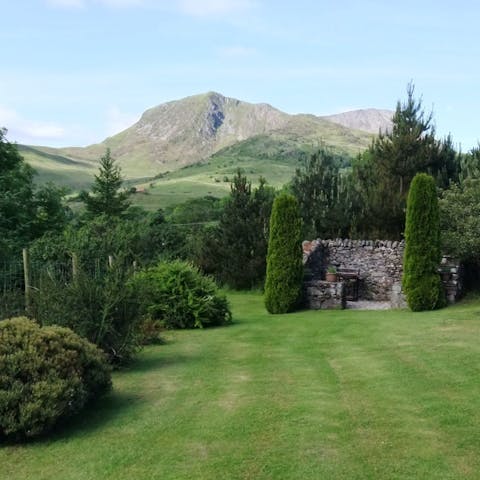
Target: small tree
<point x="320" y="190"/>
<point x="105" y="197"/>
<point x="421" y="280"/>
<point x="242" y="233"/>
<point x="284" y="259"/>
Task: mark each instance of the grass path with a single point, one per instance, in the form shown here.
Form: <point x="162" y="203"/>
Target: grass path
<point x="310" y="395"/>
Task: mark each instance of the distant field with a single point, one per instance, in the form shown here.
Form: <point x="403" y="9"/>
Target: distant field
<point x="331" y="395"/>
<point x="274" y="159"/>
<point x="211" y="178"/>
<point x="73" y="174"/>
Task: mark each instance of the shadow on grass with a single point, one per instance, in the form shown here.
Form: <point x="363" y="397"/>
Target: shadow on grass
<point x="148" y="361"/>
<point x="93" y="417"/>
<point x="96" y="415"/>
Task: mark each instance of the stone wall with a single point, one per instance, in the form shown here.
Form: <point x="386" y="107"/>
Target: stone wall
<point x="322" y="295"/>
<point x="379" y="263"/>
<point x="380" y="266"/>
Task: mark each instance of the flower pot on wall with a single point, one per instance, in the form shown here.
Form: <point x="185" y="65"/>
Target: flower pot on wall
<point x="331" y="277"/>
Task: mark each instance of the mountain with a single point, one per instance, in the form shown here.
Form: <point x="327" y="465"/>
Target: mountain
<point x="369" y="120"/>
<point x="183" y="132"/>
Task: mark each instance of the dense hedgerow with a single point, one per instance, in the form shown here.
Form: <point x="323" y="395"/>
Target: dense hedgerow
<point x="177" y="295"/>
<point x="284" y="260"/>
<point x="46" y="374"/>
<point x="421" y="280"/>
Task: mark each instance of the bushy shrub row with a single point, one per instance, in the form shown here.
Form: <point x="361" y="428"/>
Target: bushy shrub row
<point x="46" y="374"/>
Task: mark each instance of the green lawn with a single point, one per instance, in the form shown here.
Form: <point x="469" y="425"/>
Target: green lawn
<point x="310" y="395"/>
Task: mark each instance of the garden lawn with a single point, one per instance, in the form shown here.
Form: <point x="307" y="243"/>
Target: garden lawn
<point x="310" y="395"/>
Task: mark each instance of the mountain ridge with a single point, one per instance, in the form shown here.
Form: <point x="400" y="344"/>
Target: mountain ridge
<point x="181" y="132"/>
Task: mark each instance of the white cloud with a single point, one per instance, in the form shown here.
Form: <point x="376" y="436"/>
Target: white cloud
<point x="236" y="52"/>
<point x="213" y="7"/>
<point x="122" y="3"/>
<point x="27" y="131"/>
<point x="66" y="3"/>
<point x="117" y="121"/>
<point x="84" y="3"/>
<point x="197" y="8"/>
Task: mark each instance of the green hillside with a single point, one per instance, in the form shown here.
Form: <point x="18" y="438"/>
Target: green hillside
<point x="192" y="147"/>
<point x="53" y="167"/>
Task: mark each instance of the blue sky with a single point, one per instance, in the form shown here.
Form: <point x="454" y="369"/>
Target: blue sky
<point x="73" y="72"/>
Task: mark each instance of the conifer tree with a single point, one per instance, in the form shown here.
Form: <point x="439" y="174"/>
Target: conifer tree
<point x="421" y="280"/>
<point x="384" y="172"/>
<point x="105" y="196"/>
<point x="284" y="260"/>
<point x="241" y="247"/>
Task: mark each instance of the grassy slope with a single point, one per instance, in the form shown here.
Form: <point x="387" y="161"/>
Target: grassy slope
<point x="274" y="156"/>
<point x="52" y="167"/>
<point x="330" y="395"/>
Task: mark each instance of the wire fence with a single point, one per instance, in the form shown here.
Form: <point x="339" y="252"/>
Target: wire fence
<point x="21" y="278"/>
<point x="12" y="288"/>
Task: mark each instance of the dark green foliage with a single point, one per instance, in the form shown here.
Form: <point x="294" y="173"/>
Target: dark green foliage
<point x="421" y="280"/>
<point x="101" y="305"/>
<point x="138" y="236"/>
<point x="284" y="261"/>
<point x="460" y="221"/>
<point x="25" y="213"/>
<point x="46" y="375"/>
<point x="382" y="175"/>
<point x="51" y="213"/>
<point x="242" y="234"/>
<point x="204" y="209"/>
<point x="470" y="164"/>
<point x="323" y="198"/>
<point x="178" y="296"/>
<point x="105" y="197"/>
<point x="16" y="197"/>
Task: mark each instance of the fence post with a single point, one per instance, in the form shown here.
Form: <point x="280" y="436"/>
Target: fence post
<point x="74" y="266"/>
<point x="27" y="279"/>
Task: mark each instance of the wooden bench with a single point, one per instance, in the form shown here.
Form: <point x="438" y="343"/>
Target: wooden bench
<point x="350" y="277"/>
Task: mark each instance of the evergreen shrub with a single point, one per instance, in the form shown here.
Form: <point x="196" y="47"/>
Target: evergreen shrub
<point x="46" y="375"/>
<point x="177" y="295"/>
<point x="102" y="307"/>
<point x="284" y="260"/>
<point x="421" y="280"/>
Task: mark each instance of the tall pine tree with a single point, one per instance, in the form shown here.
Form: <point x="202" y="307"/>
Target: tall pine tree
<point x="105" y="197"/>
<point x="384" y="172"/>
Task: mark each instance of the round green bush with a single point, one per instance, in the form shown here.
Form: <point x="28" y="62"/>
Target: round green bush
<point x="283" y="284"/>
<point x="178" y="296"/>
<point x="46" y="374"/>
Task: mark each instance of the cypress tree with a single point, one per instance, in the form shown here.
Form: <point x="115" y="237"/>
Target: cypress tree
<point x="284" y="259"/>
<point x="421" y="280"/>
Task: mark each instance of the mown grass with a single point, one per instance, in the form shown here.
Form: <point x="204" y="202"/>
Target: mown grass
<point x="310" y="395"/>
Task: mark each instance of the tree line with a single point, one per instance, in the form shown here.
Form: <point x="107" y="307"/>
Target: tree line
<point x="362" y="197"/>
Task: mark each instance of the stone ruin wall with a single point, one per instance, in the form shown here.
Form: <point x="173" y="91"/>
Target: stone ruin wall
<point x="380" y="264"/>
